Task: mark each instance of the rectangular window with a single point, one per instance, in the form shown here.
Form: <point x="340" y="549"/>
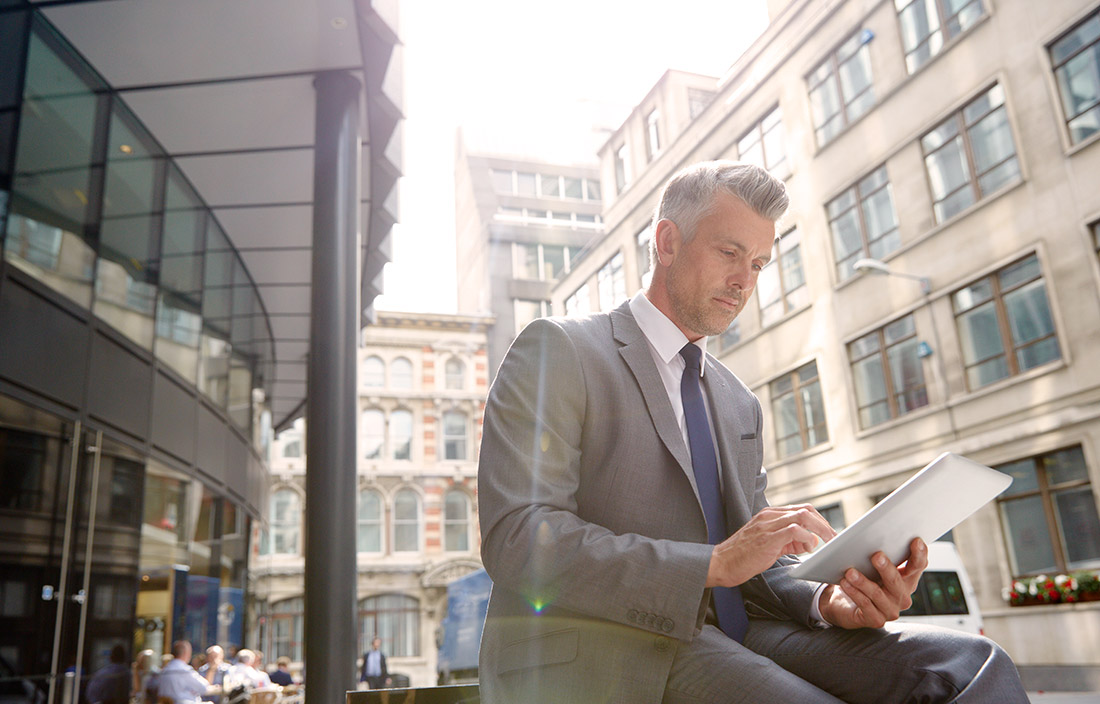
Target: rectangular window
<point x="644" y="238"/>
<point x="502" y="181"/>
<point x="1005" y="325"/>
<point x="970" y="154"/>
<point x="526" y="261"/>
<point x="929" y="25"/>
<point x="454" y="435"/>
<point x="525" y="184"/>
<point x="863" y="222"/>
<point x="698" y="100"/>
<point x="573" y="187"/>
<point x="612" y="283"/>
<point x="579" y="302"/>
<point x="527" y="310"/>
<point x="550" y="186"/>
<point x="834" y="514"/>
<point x="840" y="87"/>
<point x="592" y="189"/>
<point x="888" y="375"/>
<point x="731" y="336"/>
<point x="1049" y="514"/>
<point x="652" y="134"/>
<point x="799" y="411"/>
<point x="781" y="286"/>
<point x="765" y="145"/>
<point x="1076" y="60"/>
<point x="622" y="174"/>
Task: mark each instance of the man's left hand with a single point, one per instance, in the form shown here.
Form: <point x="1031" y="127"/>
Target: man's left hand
<point x="858" y="602"/>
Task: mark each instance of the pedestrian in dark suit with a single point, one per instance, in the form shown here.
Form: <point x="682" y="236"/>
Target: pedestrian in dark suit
<point x="374" y="671"/>
<point x="633" y="554"/>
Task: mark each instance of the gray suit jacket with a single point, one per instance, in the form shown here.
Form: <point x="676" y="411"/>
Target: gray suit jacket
<point x="591" y="525"/>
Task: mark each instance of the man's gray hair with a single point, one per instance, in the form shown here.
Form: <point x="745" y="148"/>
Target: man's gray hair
<point x="689" y="196"/>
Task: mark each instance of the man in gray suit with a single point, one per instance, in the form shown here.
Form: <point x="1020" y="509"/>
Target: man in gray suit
<point x="595" y="498"/>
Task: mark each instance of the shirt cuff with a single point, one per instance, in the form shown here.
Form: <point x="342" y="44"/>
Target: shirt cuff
<point x="815" y="609"/>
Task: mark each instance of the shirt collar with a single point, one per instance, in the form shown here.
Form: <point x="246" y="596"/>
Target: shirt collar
<point x="662" y="333"/>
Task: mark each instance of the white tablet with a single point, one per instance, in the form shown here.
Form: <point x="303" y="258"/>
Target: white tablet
<point x="932" y="502"/>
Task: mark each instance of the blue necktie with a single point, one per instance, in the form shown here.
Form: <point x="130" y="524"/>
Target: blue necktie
<point x="727" y="600"/>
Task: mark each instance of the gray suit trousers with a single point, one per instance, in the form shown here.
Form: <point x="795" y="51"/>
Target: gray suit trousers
<point x="783" y="661"/>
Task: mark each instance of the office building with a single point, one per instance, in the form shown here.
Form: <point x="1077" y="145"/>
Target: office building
<point x="521" y="224"/>
<point x="423" y="379"/>
<point x="163" y="192"/>
<point x="954" y="147"/>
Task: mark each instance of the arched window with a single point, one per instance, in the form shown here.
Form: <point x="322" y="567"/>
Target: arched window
<point x="456" y="521"/>
<point x="374" y="433"/>
<point x="406" y="521"/>
<point x="395" y="618"/>
<point x="286" y="522"/>
<point x="286" y="628"/>
<point x="369" y="524"/>
<point x="374" y="372"/>
<point x="456" y="374"/>
<point x="454" y="435"/>
<point x="401" y="433"/>
<point x="401" y="374"/>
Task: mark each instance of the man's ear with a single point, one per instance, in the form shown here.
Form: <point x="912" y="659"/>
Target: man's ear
<point x="668" y="239"/>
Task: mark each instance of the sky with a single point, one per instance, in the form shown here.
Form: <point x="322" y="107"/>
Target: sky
<point x="550" y="79"/>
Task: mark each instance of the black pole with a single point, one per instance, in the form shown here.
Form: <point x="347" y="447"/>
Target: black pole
<point x="330" y="579"/>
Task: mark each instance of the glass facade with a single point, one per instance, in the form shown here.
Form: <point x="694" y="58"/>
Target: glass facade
<point x="105" y="543"/>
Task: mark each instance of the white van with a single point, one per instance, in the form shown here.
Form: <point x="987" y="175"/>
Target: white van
<point x="944" y="596"/>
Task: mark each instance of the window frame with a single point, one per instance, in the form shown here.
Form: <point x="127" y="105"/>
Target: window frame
<point x="611" y="281"/>
<point x="448" y="437"/>
<point x="380" y="521"/>
<point x="859" y="201"/>
<point x="454" y="378"/>
<point x="785" y="302"/>
<point x="845" y="103"/>
<point x="1045" y="491"/>
<point x="800" y="411"/>
<point x="397" y="522"/>
<point x="882" y="352"/>
<point x="968" y="153"/>
<point x="1056" y="65"/>
<point x="291" y="525"/>
<point x="1009" y="348"/>
<point x="459" y="524"/>
<point x="946" y="40"/>
<point x="761" y="134"/>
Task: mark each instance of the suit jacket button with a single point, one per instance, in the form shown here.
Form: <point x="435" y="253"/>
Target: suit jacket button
<point x="667" y="626"/>
<point x="632" y="615"/>
<point x="661" y="644"/>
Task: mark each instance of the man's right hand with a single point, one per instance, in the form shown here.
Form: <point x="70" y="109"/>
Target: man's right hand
<point x="774" y="531"/>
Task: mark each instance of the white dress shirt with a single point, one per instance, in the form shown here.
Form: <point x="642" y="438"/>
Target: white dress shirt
<point x="181" y="683"/>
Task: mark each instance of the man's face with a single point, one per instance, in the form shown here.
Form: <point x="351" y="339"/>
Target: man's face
<point x="712" y="276"/>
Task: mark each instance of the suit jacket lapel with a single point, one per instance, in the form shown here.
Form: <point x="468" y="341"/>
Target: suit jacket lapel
<point x="636" y="353"/>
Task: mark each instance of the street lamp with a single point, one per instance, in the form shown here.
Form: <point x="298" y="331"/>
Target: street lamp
<point x="880" y="268"/>
<point x="874" y="266"/>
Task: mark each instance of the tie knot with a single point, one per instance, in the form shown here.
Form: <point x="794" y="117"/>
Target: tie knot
<point x="692" y="356"/>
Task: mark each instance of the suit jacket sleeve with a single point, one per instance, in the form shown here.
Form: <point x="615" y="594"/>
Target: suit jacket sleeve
<point x="534" y="543"/>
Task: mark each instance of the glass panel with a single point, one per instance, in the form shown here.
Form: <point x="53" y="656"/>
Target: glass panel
<point x="286" y="512"/>
<point x="527" y="261"/>
<point x="456" y="374"/>
<point x="991" y="139"/>
<point x="551" y="186"/>
<point x="217" y="307"/>
<point x="572" y="187"/>
<point x="369" y="536"/>
<point x="947" y="169"/>
<point x="1024" y="477"/>
<point x="1080" y="36"/>
<point x="374" y="423"/>
<point x="980" y="335"/>
<point x="1016" y="274"/>
<point x="54" y="180"/>
<point x="1079" y="526"/>
<point x="454" y="435"/>
<point x="553" y="261"/>
<point x="525" y="184"/>
<point x="401" y="431"/>
<point x="1028" y="313"/>
<point x="1065" y="466"/>
<point x="406" y="519"/>
<point x="813" y="406"/>
<point x="374" y="372"/>
<point x="907" y="375"/>
<point x="973" y="295"/>
<point x="401" y="374"/>
<point x="179" y="311"/>
<point x="871" y="391"/>
<point x="455" y="512"/>
<point x="1029" y="544"/>
<point x="502" y="181"/>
